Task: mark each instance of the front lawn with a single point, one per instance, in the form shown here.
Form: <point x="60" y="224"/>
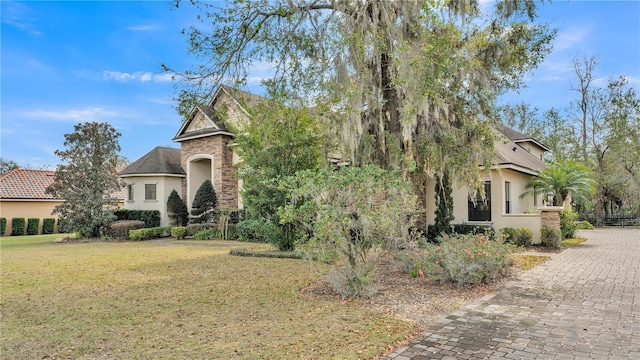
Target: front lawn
<point x="174" y="300"/>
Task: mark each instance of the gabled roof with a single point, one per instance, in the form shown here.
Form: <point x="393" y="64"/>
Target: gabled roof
<point x="518" y="137"/>
<point x="244" y="100"/>
<point x="26" y="184"/>
<point x="159" y="161"/>
<point x="510" y="154"/>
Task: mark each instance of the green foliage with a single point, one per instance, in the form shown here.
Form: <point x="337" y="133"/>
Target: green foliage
<point x="177" y="209"/>
<point x="179" y="232"/>
<point x="204" y="204"/>
<point x="561" y="179"/>
<point x="463" y="259"/>
<point x="7" y="165"/>
<point x="87" y="178"/>
<point x="17" y="226"/>
<point x="48" y="225"/>
<point x="354" y="213"/>
<point x="550" y="237"/>
<point x="278" y="141"/>
<point x="444" y="206"/>
<point x="149" y="233"/>
<point x="464" y="229"/>
<point x="3" y="225"/>
<point x="194" y="228"/>
<point x="584" y="225"/>
<point x="120" y="229"/>
<point x="151" y="218"/>
<point x="33" y="226"/>
<point x="207" y="235"/>
<point x="519" y="237"/>
<point x="257" y="231"/>
<point x="568" y="225"/>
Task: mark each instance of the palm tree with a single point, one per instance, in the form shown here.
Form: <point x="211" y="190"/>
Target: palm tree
<point x="564" y="179"/>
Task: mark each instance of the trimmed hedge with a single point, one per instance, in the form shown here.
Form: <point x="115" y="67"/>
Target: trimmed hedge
<point x="48" y="225"/>
<point x="149" y="233"/>
<point x="17" y="226"/>
<point x="194" y="228"/>
<point x="3" y="225"/>
<point x="151" y="218"/>
<point x="551" y="237"/>
<point x="33" y="226"/>
<point x="120" y="229"/>
<point x="265" y="254"/>
<point x="179" y="232"/>
<point x="520" y="236"/>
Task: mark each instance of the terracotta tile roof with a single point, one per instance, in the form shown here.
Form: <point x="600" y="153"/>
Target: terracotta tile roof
<point x="28" y="184"/>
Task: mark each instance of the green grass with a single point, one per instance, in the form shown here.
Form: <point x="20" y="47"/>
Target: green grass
<point x="140" y="300"/>
<point x="572" y="242"/>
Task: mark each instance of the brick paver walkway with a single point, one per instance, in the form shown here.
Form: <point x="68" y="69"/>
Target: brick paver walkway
<point x="582" y="304"/>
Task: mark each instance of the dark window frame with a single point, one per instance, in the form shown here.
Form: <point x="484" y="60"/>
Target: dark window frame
<point x="480" y="210"/>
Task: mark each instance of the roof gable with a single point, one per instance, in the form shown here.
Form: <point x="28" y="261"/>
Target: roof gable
<point x="507" y="152"/>
<point x="518" y="137"/>
<point x="159" y="161"/>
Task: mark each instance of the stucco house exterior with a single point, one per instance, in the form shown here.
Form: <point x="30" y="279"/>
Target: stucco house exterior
<point x="22" y="194"/>
<point x="207" y="153"/>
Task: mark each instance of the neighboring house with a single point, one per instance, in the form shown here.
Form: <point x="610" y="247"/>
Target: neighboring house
<point x="22" y="194"/>
<point x="517" y="159"/>
<point x="206" y="153"/>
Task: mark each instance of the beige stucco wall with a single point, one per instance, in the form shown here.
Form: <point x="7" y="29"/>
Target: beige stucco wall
<point x="164" y="186"/>
<point x="499" y="218"/>
<point x="27" y="209"/>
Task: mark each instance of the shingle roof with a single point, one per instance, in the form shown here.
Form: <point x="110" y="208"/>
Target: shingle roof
<point x="518" y="137"/>
<point x="161" y="160"/>
<point x="507" y="152"/>
<point x="26" y="184"/>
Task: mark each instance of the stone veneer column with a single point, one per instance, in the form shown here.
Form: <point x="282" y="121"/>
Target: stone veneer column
<point x="551" y="216"/>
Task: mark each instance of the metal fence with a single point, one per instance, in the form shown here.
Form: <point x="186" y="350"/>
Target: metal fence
<point x="614" y="220"/>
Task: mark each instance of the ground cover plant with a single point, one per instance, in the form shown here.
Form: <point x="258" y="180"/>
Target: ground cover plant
<point x="186" y="299"/>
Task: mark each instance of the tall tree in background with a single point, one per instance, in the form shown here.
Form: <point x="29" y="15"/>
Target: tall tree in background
<point x="406" y="84"/>
<point x="585" y="107"/>
<point x="87" y="178"/>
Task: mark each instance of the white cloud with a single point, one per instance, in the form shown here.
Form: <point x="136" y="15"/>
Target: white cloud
<point x="570" y="38"/>
<point x="73" y="115"/>
<point x="144" y="27"/>
<point x="16" y="14"/>
<point x="138" y="76"/>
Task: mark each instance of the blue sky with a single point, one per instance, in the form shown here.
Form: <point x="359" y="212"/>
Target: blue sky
<point x="67" y="62"/>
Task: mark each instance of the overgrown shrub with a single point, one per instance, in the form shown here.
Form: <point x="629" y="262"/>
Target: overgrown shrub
<point x="209" y="234"/>
<point x="33" y="226"/>
<point x="204" y="204"/>
<point x="519" y="237"/>
<point x="120" y="229"/>
<point x="48" y="225"/>
<point x="151" y="218"/>
<point x="465" y="229"/>
<point x="568" y="223"/>
<point x="194" y="228"/>
<point x="462" y="259"/>
<point x="550" y="237"/>
<point x="3" y="225"/>
<point x="17" y="226"/>
<point x="256" y="231"/>
<point x="149" y="233"/>
<point x="177" y="209"/>
<point x="584" y="225"/>
<point x="179" y="232"/>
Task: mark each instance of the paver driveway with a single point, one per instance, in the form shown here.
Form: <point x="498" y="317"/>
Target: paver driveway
<point x="582" y="304"/>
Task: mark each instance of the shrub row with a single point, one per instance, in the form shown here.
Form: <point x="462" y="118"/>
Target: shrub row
<point x="265" y="254"/>
<point x="149" y="233"/>
<point x="32" y="226"/>
<point x="461" y="229"/>
<point x="120" y="229"/>
<point x="151" y="218"/>
<point x="179" y="232"/>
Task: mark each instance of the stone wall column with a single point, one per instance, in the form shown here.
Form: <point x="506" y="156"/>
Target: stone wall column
<point x="551" y="216"/>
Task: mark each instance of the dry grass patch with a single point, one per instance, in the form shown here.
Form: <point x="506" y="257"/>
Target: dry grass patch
<point x="149" y="300"/>
<point x="526" y="261"/>
<point x="572" y="242"/>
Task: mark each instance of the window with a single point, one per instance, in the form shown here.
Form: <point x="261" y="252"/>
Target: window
<point x="129" y="192"/>
<point x="507" y="197"/>
<point x="479" y="209"/>
<point x="150" y="191"/>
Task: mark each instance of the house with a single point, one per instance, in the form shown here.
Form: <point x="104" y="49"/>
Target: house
<point x="206" y="153"/>
<point x="517" y="159"/>
<point x="22" y="194"/>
